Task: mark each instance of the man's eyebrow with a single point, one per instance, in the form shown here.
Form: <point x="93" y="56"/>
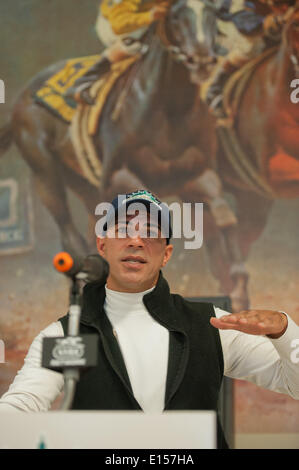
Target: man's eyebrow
<point x="148" y="224"/>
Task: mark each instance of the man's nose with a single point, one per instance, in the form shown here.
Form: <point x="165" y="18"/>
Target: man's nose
<point x="135" y="240"/>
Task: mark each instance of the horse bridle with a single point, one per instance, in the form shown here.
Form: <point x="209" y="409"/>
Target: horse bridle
<point x="176" y="53"/>
<point x="174" y="50"/>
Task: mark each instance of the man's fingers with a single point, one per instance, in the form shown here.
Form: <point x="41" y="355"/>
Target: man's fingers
<point x="246" y="316"/>
<point x="251" y="325"/>
<point x="229" y="318"/>
<point x="223" y="325"/>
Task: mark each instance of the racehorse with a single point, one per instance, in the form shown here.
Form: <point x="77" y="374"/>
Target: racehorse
<point x="266" y="126"/>
<point x="267" y="112"/>
<point x="164" y="139"/>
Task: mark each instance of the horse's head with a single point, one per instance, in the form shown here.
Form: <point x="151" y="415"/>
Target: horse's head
<point x="182" y="40"/>
<point x="291" y="37"/>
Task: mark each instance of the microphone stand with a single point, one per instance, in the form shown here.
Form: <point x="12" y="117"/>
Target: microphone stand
<point x="72" y="374"/>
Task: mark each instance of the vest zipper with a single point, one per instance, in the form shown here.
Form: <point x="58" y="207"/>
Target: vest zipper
<point x="111" y="359"/>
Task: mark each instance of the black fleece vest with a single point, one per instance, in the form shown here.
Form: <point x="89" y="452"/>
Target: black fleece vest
<point x="195" y="365"/>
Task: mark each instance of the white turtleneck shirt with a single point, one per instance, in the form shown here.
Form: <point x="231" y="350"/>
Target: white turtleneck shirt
<point x="144" y="346"/>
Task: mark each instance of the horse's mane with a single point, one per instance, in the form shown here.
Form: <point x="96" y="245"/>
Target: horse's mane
<point x="284" y="38"/>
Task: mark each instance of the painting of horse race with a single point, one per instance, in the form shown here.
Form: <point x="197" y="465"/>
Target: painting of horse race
<point x="195" y="103"/>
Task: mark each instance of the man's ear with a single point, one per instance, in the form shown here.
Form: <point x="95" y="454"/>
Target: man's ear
<point x="167" y="254"/>
<point x="101" y="243"/>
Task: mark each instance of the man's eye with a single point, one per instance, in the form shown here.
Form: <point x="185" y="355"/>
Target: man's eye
<point x="153" y="233"/>
<point x="122" y="230"/>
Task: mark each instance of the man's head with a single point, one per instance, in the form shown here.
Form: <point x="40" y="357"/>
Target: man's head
<point x="136" y="241"/>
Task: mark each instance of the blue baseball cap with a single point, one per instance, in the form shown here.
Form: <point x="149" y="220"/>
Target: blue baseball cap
<point x="152" y="205"/>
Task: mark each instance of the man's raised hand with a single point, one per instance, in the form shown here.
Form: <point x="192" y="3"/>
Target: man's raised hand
<point x="254" y="322"/>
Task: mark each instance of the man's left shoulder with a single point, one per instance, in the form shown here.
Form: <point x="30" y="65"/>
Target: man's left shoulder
<point x="193" y="305"/>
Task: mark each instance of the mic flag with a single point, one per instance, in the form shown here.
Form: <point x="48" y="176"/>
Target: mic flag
<point x="79" y="352"/>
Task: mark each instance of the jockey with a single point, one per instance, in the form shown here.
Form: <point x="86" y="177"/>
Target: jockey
<point x="261" y="23"/>
<point x="120" y="25"/>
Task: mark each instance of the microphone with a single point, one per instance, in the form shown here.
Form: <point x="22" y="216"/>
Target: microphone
<point x="75" y="351"/>
<point x="93" y="268"/>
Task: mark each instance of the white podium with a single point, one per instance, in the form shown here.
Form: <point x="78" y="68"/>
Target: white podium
<point x="108" y="430"/>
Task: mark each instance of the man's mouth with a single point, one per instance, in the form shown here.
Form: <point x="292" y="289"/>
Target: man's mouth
<point x="134" y="260"/>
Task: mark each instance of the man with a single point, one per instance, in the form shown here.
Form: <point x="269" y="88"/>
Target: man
<point x="157" y="351"/>
<point x="124" y="22"/>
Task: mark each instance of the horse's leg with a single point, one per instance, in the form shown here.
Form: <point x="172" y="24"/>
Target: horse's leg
<point x="219" y="261"/>
<point x="34" y="144"/>
<point x="252" y="212"/>
<point x="214" y="244"/>
<point x="225" y="251"/>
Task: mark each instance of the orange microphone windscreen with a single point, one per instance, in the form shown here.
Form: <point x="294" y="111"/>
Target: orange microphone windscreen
<point x="63" y="262"/>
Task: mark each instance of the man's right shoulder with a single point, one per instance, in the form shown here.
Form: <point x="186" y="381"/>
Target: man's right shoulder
<point x="52" y="330"/>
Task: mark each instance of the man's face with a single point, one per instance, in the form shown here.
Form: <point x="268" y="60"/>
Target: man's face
<point x="134" y="261"/>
